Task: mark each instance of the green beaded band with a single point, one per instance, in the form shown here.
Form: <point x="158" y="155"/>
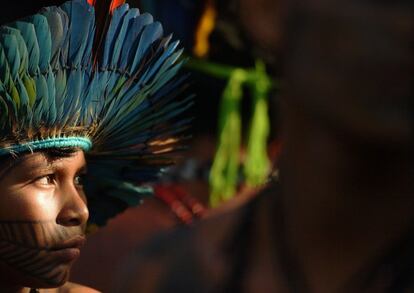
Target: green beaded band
<point x="60" y="142"/>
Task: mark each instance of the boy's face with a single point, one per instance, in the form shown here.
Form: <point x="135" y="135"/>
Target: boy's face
<point x="43" y="214"/>
<point x="351" y="65"/>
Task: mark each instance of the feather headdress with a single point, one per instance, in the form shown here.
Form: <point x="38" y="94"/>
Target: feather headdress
<point x="115" y="97"/>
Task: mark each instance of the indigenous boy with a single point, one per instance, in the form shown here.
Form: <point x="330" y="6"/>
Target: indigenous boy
<point x="78" y="92"/>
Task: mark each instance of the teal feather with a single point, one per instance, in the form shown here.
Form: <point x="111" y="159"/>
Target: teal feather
<point x="157" y="65"/>
<point x="113" y="32"/>
<point x="55" y="24"/>
<point x="50" y="81"/>
<point x="27" y="30"/>
<point x="21" y="46"/>
<point x="81" y="23"/>
<point x="44" y="40"/>
<point x="64" y="48"/>
<point x="129" y="44"/>
<point x="122" y="34"/>
<point x="24" y="103"/>
<point x="73" y="91"/>
<point x="5" y="75"/>
<point x="4" y="66"/>
<point x="150" y="33"/>
<point x="42" y="95"/>
<point x="60" y="86"/>
<point x="130" y="123"/>
<point x="11" y="51"/>
<point x="4" y="112"/>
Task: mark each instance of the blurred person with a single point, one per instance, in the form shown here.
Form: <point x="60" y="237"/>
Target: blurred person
<point x="339" y="217"/>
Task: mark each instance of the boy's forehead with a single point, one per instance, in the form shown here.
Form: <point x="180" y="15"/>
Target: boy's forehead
<point x="38" y="159"/>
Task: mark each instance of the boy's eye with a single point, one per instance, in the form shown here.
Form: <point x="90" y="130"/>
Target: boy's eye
<point x="79" y="180"/>
<point x="46" y="179"/>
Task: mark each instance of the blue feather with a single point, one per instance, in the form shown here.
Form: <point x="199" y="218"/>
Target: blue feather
<point x="113" y="32"/>
<point x="11" y="51"/>
<point x="57" y="32"/>
<point x="44" y="40"/>
<point x="50" y="80"/>
<point x="157" y="65"/>
<point x="134" y="29"/>
<point x="81" y="19"/>
<point x="122" y="33"/>
<point x="27" y="30"/>
<point x="151" y="33"/>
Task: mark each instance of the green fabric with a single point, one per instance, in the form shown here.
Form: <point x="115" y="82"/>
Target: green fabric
<point x="257" y="164"/>
<point x="224" y="172"/>
<point x="224" y="175"/>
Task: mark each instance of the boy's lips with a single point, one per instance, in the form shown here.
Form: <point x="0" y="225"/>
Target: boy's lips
<point x="74" y="242"/>
<point x="68" y="250"/>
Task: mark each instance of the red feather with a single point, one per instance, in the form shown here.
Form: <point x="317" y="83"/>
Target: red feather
<point x="103" y="12"/>
<point x="115" y="4"/>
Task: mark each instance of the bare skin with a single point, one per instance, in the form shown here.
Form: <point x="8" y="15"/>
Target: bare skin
<point x="43" y="214"/>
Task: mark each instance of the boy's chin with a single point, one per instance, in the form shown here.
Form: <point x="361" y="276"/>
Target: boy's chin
<point x="54" y="282"/>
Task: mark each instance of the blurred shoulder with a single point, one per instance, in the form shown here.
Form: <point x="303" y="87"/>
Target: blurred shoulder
<point x="190" y="257"/>
<point x="76" y="288"/>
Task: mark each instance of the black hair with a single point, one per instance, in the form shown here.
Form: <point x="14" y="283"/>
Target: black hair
<point x="59" y="153"/>
<point x="19" y="9"/>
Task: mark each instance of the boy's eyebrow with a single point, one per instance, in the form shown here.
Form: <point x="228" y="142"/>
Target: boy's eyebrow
<point x="16" y="162"/>
<point x="56" y="163"/>
<point x="83" y="169"/>
<point x="13" y="164"/>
